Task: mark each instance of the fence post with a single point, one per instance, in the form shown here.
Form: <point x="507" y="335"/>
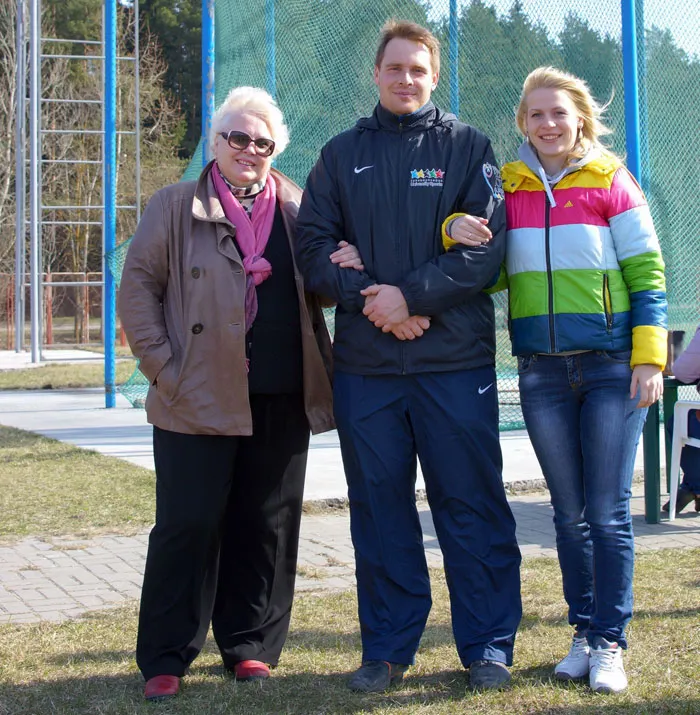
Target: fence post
<point x="48" y="300"/>
<point x="270" y="47"/>
<point x="36" y="297"/>
<point x="208" y="74"/>
<point x="645" y="165"/>
<point x="631" y="80"/>
<point x="21" y="176"/>
<point x="86" y="312"/>
<point x="10" y="307"/>
<point x="109" y="193"/>
<point x="454" y="58"/>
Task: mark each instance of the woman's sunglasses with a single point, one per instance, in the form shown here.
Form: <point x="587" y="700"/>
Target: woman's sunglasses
<point x="241" y="141"/>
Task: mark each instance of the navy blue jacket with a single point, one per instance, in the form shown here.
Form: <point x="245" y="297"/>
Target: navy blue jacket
<point x="386" y="186"/>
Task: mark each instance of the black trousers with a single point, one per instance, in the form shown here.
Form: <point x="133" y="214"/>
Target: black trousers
<point x="225" y="542"/>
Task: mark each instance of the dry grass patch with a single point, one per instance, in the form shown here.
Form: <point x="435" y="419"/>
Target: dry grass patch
<point x="63" y="376"/>
<point x="49" y="487"/>
<point x="87" y="667"/>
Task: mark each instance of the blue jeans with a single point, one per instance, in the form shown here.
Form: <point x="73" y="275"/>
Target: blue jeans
<point x="585" y="429"/>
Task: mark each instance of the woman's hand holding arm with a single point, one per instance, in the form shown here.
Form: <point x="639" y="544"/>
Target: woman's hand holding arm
<point x="347" y="256"/>
<point x="469" y="230"/>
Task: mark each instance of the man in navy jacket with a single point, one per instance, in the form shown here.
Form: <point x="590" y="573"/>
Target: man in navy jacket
<point x="414" y="358"/>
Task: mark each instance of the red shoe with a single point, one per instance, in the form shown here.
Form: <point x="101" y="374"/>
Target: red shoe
<point x="251" y="670"/>
<point x="161" y="687"/>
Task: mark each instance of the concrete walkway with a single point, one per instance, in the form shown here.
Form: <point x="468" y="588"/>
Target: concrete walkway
<point x="80" y="417"/>
<point x="11" y="360"/>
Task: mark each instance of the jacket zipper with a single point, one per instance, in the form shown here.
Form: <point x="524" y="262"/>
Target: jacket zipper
<point x="607" y="302"/>
<point x="550" y="282"/>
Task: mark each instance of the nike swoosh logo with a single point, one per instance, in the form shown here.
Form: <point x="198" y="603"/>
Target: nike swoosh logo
<point x="363" y="168"/>
<point x="485" y="389"/>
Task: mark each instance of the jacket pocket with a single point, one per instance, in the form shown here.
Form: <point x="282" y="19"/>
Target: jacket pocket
<point x="607" y="303"/>
<point x="167" y="379"/>
<point x="525" y="362"/>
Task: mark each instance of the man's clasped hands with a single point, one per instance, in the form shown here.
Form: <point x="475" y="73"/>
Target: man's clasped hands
<point x="385" y="305"/>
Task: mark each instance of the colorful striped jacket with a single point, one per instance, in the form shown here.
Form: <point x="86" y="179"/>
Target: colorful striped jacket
<point x="585" y="273"/>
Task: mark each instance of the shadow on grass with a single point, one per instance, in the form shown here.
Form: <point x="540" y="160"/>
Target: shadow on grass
<point x="436" y="635"/>
<point x="88" y="656"/>
<point x="206" y="692"/>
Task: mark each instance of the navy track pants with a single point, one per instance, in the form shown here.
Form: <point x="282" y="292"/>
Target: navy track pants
<point x="450" y="422"/>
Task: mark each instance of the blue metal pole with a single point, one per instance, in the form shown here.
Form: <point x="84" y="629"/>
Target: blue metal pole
<point x="270" y="47"/>
<point x="643" y="99"/>
<point x="454" y="57"/>
<point x="208" y="75"/>
<point x="109" y="184"/>
<point x="35" y="277"/>
<point x="20" y="175"/>
<point x="629" y="67"/>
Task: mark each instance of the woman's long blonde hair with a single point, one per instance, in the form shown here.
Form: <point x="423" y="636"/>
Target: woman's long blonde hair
<point x="590" y="112"/>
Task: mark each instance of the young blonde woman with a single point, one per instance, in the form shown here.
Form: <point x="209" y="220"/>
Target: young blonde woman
<point x="588" y="324"/>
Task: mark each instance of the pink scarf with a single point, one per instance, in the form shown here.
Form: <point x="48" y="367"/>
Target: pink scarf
<point x="252" y="235"/>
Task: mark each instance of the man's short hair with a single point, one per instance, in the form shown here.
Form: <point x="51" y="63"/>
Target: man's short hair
<point x="405" y="30"/>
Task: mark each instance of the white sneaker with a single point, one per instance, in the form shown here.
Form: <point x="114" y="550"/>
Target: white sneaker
<point x="575" y="665"/>
<point x="607" y="673"/>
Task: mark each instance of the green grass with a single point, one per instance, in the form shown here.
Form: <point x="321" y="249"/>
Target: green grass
<point x="119" y="350"/>
<point x="87" y="666"/>
<point x="63" y="376"/>
<point x="49" y="487"/>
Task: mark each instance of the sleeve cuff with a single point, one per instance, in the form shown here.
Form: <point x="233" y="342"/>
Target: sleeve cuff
<point x="447" y="241"/>
<point x="649" y="346"/>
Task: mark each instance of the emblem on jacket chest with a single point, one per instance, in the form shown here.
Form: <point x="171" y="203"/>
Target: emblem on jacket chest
<point x="427" y="177"/>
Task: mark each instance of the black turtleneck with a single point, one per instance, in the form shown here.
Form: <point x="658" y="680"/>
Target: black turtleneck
<point x="273" y="344"/>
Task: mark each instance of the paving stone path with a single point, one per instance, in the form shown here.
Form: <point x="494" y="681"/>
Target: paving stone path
<point x="58" y="578"/>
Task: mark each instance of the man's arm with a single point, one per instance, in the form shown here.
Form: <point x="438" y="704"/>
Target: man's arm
<point x="319" y="230"/>
<point x="463" y="270"/>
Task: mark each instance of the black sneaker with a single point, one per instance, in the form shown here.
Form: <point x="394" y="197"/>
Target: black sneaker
<point x="488" y="675"/>
<point x="375" y="676"/>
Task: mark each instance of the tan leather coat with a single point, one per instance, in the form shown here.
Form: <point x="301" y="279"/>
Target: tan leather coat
<point x="181" y="303"/>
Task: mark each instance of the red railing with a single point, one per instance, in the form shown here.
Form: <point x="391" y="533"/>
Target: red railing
<point x="71" y="314"/>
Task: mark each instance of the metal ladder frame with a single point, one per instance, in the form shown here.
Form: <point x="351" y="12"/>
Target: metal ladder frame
<point x="37" y="209"/>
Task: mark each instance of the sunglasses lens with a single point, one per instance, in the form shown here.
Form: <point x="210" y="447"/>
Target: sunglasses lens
<point x="264" y="147"/>
<point x="241" y="141"/>
<point x="238" y="140"/>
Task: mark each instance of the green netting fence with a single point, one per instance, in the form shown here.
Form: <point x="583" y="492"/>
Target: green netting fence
<point x="317" y="56"/>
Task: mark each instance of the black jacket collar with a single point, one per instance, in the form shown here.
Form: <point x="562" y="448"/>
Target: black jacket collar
<point x="427" y="116"/>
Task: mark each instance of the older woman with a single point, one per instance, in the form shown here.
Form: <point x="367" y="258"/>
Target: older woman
<point x="238" y="359"/>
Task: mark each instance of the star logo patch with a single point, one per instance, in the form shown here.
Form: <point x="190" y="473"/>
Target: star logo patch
<point x="427" y="177"/>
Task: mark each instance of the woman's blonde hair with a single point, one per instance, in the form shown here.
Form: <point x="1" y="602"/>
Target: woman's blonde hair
<point x="255" y="101"/>
<point x="589" y="110"/>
